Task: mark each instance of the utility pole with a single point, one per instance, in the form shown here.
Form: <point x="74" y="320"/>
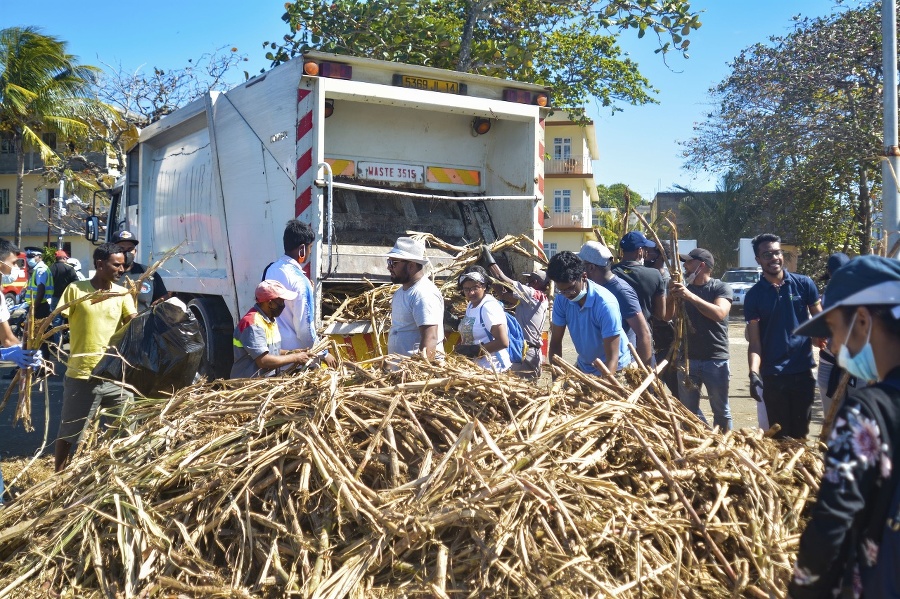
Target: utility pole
<point x="61" y="212"/>
<point x="890" y="168"/>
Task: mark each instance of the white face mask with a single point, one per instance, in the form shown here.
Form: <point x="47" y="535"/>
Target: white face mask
<point x="14" y="273"/>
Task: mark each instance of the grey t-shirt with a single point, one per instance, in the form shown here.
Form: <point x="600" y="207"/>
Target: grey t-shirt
<point x="707" y="339"/>
<point x="531" y="312"/>
<point x="420" y="305"/>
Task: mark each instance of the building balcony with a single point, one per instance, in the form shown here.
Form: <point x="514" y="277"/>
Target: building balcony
<point x="573" y="165"/>
<point x="568" y="220"/>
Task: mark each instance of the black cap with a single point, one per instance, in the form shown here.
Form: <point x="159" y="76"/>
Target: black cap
<point x="699" y="254"/>
<point x="125" y="236"/>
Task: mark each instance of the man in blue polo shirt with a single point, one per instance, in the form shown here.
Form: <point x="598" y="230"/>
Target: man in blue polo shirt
<point x="591" y="314"/>
<point x="781" y="362"/>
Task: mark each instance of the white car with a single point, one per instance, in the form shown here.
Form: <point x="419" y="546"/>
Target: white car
<point x="740" y="280"/>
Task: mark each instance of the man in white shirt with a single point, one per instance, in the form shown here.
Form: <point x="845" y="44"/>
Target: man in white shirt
<point x="297" y="323"/>
<point x="417" y="308"/>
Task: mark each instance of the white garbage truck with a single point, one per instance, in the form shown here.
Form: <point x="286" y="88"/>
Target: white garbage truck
<point x="362" y="150"/>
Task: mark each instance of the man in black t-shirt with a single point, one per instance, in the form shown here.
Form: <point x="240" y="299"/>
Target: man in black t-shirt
<point x="62" y="274"/>
<point x="646" y="282"/>
<point x="707" y="302"/>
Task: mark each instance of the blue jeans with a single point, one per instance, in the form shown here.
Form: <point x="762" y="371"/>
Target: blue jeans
<point x="714" y="374"/>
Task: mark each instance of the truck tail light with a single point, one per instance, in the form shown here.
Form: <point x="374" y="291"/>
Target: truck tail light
<point x="334" y="70"/>
<point x="522" y="96"/>
<point x="481" y="126"/>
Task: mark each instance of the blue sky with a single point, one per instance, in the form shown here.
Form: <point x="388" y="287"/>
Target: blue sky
<point x="638" y="146"/>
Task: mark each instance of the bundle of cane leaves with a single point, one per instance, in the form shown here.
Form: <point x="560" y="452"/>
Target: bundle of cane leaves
<point x="433" y="480"/>
<point x="374" y="304"/>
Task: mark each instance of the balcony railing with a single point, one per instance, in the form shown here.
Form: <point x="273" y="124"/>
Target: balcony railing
<point x="574" y="165"/>
<point x="581" y="220"/>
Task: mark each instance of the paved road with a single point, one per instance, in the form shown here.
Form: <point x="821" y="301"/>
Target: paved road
<point x="15" y="442"/>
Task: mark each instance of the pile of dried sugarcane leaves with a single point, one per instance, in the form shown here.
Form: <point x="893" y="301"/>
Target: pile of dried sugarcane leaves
<point x="432" y="480"/>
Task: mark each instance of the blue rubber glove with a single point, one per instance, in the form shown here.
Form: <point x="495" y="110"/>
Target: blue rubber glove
<point x="24" y="358"/>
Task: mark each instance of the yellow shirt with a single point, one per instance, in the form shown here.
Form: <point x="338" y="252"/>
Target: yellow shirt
<point x="91" y="325"/>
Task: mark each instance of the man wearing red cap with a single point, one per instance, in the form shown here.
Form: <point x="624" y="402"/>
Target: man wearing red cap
<point x="62" y="274"/>
<point x="257" y="342"/>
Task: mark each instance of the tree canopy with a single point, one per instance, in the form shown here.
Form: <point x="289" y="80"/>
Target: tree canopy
<point x="568" y="45"/>
<point x="613" y="196"/>
<point x="799" y="121"/>
<point x="43" y="89"/>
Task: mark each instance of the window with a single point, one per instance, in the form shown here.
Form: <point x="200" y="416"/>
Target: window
<point x="562" y="148"/>
<point x="550" y="249"/>
<point x="562" y="201"/>
<point x="6" y="144"/>
<point x="49" y="139"/>
<point x="4" y="201"/>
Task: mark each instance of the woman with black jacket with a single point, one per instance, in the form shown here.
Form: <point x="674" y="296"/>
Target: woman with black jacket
<point x="851" y="545"/>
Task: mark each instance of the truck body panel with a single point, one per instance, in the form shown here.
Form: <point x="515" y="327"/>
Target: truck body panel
<point x="219" y="178"/>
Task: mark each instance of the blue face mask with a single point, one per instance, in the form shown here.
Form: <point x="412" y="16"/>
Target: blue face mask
<point x="862" y="365"/>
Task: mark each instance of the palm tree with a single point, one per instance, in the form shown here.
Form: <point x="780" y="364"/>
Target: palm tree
<point x="42" y="89"/>
<point x="717" y="220"/>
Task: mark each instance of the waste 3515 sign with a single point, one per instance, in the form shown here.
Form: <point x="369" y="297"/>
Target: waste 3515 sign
<point x="397" y="173"/>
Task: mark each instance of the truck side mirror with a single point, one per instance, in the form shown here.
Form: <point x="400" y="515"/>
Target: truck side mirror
<point x="92" y="228"/>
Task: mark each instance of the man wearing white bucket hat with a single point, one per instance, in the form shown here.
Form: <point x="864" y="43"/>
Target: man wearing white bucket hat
<point x="851" y="544"/>
<point x="417" y="308"/>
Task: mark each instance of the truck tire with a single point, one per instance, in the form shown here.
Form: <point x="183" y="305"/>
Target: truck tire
<point x="217" y="327"/>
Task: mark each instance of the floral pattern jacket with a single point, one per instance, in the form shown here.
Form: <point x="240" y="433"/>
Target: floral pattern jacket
<point x="837" y="550"/>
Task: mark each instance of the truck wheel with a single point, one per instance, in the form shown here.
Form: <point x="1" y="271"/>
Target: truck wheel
<point x="10" y="299"/>
<point x="217" y="328"/>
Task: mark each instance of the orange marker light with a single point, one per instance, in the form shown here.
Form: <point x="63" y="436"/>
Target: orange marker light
<point x="311" y="68"/>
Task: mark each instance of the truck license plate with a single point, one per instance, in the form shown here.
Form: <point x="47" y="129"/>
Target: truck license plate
<point x="432" y="85"/>
<point x="399" y="173"/>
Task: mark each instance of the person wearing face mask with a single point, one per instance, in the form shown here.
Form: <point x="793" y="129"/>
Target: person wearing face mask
<point x="646" y="282"/>
<point x="851" y="543"/>
<point x="152" y="288"/>
<point x="257" y="342"/>
<point x="39" y="291"/>
<point x="483" y="330"/>
<point x="780" y="361"/>
<point x="10" y="349"/>
<point x="297" y="324"/>
<point x="62" y="274"/>
<point x="707" y="302"/>
<point x="591" y="314"/>
<point x="417" y="306"/>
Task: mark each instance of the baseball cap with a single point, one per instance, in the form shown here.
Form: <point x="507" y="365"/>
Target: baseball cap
<point x="595" y="253"/>
<point x="700" y="254"/>
<point x="407" y="248"/>
<point x="864" y="281"/>
<point x="271" y="289"/>
<point x="539" y="274"/>
<point x="124" y="236"/>
<point x="31" y="252"/>
<point x="61" y="254"/>
<point x="835" y="261"/>
<point x="634" y="240"/>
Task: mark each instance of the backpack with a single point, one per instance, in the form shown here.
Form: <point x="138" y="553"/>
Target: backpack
<point x="515" y="333"/>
